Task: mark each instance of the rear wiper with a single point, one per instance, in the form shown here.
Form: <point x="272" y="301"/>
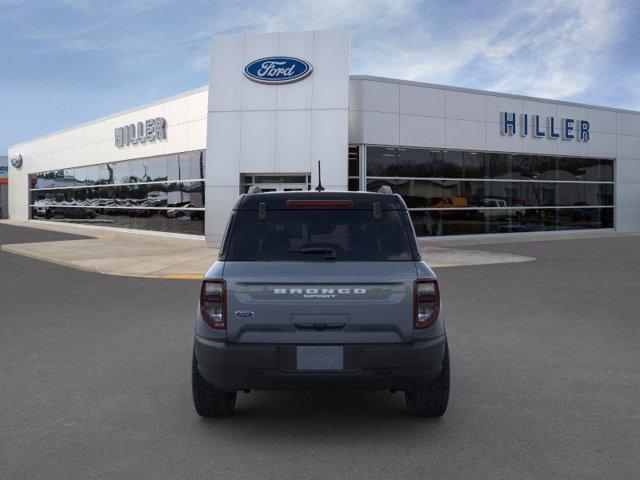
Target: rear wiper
<point x="330" y="253"/>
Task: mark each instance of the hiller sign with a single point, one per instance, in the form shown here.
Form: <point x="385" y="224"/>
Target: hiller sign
<point x="147" y="131"/>
<point x="525" y="124"/>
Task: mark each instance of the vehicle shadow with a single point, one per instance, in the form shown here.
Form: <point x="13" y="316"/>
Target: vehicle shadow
<point x="342" y="416"/>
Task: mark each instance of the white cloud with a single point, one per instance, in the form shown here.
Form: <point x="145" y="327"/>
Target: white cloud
<point x="545" y="49"/>
<point x="540" y="48"/>
<point x="565" y="51"/>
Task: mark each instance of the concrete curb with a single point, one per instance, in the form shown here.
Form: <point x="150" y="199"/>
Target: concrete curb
<point x="97" y="231"/>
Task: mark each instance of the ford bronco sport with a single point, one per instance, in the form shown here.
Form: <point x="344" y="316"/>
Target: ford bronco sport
<point x="320" y="290"/>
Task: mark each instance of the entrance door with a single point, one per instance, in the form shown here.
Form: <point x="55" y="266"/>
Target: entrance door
<point x="275" y="183"/>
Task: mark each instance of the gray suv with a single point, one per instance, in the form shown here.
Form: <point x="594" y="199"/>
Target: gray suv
<point x="320" y="290"/>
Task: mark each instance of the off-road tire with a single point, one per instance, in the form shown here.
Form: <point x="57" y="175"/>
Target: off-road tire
<point x="208" y="400"/>
<point x="431" y="401"/>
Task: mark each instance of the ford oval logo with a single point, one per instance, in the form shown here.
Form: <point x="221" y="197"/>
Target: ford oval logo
<point x="278" y="70"/>
<point x="244" y="313"/>
<point x="16" y="160"/>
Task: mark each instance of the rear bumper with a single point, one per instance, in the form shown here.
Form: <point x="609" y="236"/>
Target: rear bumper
<point x="234" y="367"/>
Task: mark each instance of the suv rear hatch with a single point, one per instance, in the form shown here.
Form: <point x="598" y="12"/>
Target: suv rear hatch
<point x="312" y="302"/>
<point x="320" y="272"/>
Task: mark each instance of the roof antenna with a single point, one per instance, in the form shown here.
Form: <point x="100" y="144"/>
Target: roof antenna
<point x="319" y="188"/>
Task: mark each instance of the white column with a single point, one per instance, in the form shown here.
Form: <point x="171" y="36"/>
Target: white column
<point x="258" y="128"/>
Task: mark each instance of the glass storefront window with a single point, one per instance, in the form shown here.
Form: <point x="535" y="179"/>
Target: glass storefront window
<point x="197" y="194"/>
<point x="475" y="165"/>
<point x="452" y="165"/>
<point x="196" y="165"/>
<point x="534" y="167"/>
<point x="58" y="178"/>
<point x="416" y="162"/>
<point x="403" y="162"/>
<point x="425" y="193"/>
<point x="499" y="165"/>
<point x="138" y="171"/>
<point x="436" y="223"/>
<point x="80" y="176"/>
<point x="121" y="172"/>
<point x="156" y="195"/>
<point x="186" y="166"/>
<point x="44" y="180"/>
<point x="585" y="169"/>
<point x="157" y="169"/>
<point x="381" y="161"/>
<point x="173" y="167"/>
<point x="135" y="193"/>
<point x="92" y="175"/>
<point x="105" y="174"/>
<point x="460" y="192"/>
<point x="354" y="161"/>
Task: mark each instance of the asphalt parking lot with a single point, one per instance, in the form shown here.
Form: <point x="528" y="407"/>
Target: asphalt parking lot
<point x="96" y="380"/>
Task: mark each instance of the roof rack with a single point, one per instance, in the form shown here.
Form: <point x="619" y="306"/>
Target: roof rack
<point x="385" y="190"/>
<point x="253" y="189"/>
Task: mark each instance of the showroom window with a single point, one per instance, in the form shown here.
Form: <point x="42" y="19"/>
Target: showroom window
<point x="164" y="193"/>
<point x="451" y="192"/>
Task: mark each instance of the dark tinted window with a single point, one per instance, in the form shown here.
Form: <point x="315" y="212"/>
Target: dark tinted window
<point x="171" y="204"/>
<point x="157" y="169"/>
<point x="138" y="171"/>
<point x="173" y="167"/>
<point x="314" y="235"/>
<point x="184" y="165"/>
<point x="197" y="165"/>
<point x="354" y="161"/>
<point x="59" y="178"/>
<point x="475" y="165"/>
<point x="105" y="173"/>
<point x="120" y="172"/>
<point x="196" y="194"/>
<point x="498" y="165"/>
<point x="452" y="165"/>
<point x="585" y="169"/>
<point x="80" y="176"/>
<point x="382" y="161"/>
<point x="45" y="180"/>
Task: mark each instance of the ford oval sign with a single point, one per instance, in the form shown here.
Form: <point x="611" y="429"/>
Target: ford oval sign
<point x="278" y="70"/>
<point x="16" y="160"/>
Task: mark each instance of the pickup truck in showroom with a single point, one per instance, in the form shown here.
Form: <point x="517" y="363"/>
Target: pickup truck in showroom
<point x="320" y="290"/>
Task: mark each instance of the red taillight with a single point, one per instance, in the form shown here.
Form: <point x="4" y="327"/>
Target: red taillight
<point x="213" y="299"/>
<point x="426" y="303"/>
<point x="320" y="203"/>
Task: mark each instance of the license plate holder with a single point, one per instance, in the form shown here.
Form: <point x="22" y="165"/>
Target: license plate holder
<point x="319" y="358"/>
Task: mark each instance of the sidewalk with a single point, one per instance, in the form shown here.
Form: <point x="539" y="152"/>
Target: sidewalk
<point x="160" y="255"/>
<point x="119" y="251"/>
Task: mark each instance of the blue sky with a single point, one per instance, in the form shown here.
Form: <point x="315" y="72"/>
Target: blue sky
<point x="65" y="62"/>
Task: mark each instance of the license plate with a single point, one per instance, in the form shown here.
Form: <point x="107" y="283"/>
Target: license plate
<point x="319" y="358"/>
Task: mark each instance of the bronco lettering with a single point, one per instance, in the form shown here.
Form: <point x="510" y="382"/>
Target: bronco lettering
<point x="322" y="291"/>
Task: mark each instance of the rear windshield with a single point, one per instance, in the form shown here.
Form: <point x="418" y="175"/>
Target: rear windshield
<point x="319" y="235"/>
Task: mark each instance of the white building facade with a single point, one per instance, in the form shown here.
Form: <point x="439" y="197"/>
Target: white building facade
<point x="465" y="161"/>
